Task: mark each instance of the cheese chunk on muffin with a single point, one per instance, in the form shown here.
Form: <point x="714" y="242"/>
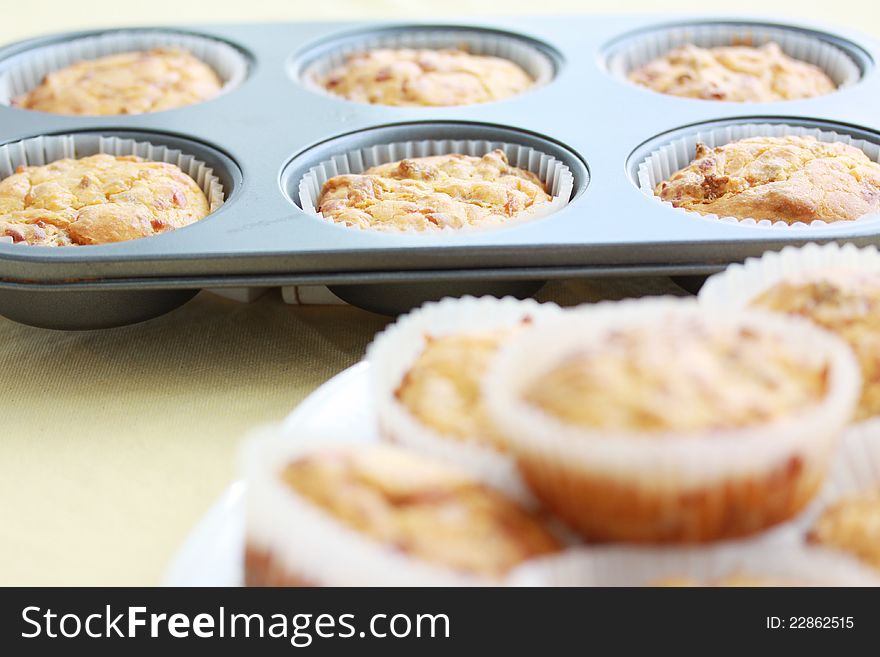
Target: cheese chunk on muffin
<point x="432" y="193"/>
<point x="721" y="380"/>
<point x="406" y="77"/>
<point x="413" y="507"/>
<point x="845" y="302"/>
<point x="97" y="200"/>
<point x="852" y="524"/>
<point x="790" y="179"/>
<point x="127" y="83"/>
<point x="733" y="73"/>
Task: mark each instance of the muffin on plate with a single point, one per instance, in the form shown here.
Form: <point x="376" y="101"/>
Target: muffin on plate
<point x="789" y="179"/>
<point x="737" y="73"/>
<point x="125" y="83"/>
<point x="845" y="301"/>
<point x="357" y="514"/>
<point x="652" y="421"/>
<point x="425" y="194"/>
<point x="851" y="524"/>
<point x="97" y="199"/>
<point x="410" y="77"/>
<point x="427" y="371"/>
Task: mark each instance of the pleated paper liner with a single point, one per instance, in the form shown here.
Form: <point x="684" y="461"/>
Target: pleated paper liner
<point x="554" y="174"/>
<point x="21" y="73"/>
<point x="677" y="154"/>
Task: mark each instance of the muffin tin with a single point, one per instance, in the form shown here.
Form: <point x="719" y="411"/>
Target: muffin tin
<point x="263" y="134"/>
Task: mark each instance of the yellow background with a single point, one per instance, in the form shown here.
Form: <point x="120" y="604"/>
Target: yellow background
<point x="113" y="443"/>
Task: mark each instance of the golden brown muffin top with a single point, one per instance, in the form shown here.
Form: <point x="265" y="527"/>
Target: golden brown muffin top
<point x="678" y="377"/>
<point x="442" y="388"/>
<point x="127" y="83"/>
<point x="852" y="524"/>
<point x="733" y="73"/>
<point x="845" y="302"/>
<point x="431" y="193"/>
<point x="420" y="508"/>
<point x="788" y="179"/>
<point x="406" y="77"/>
<point x="97" y="200"/>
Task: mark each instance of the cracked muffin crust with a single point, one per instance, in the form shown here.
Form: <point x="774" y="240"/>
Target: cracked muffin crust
<point x="432" y="193"/>
<point x="790" y="179"/>
<point x="408" y="77"/>
<point x="847" y="303"/>
<point x="96" y="200"/>
<point x="419" y="508"/>
<point x="127" y="83"/>
<point x="851" y="524"/>
<point x="733" y="73"/>
<point x="628" y="383"/>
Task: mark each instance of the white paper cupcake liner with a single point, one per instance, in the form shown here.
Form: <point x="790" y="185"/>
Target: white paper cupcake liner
<point x="632" y="566"/>
<point x="39" y="151"/>
<point x="310" y="544"/>
<point x="521" y="52"/>
<point x="677" y="154"/>
<point x="739" y="284"/>
<point x="555" y="175"/>
<point x="644" y="48"/>
<point x="393" y="352"/>
<point x="666" y="466"/>
<point x="21" y="73"/>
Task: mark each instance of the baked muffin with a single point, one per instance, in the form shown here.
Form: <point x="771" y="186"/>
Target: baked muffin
<point x="427" y="194"/>
<point x="845" y="302"/>
<point x="851" y="524"/>
<point x="442" y="388"/>
<point x="397" y="511"/>
<point x="733" y="73"/>
<point x="626" y="382"/>
<point x="406" y="77"/>
<point x="127" y="83"/>
<point x="97" y="200"/>
<point x="675" y="425"/>
<point x="789" y="179"/>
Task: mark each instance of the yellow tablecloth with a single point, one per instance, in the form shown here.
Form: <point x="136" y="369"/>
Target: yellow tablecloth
<point x="113" y="443"/>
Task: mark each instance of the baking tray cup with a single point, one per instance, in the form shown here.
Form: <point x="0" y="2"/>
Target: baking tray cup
<point x="318" y="62"/>
<point x="667" y="486"/>
<point x="633" y="566"/>
<point x="393" y="352"/>
<point x="21" y="73"/>
<point x="842" y="65"/>
<point x="557" y="178"/>
<point x="679" y="153"/>
<point x="273" y="127"/>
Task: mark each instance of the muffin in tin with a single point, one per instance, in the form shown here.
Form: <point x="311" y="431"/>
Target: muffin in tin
<point x="425" y="194"/>
<point x="650" y="421"/>
<point x="125" y="83"/>
<point x="98" y="199"/>
<point x="378" y="514"/>
<point x="425" y="77"/>
<point x="789" y="179"/>
<point x="734" y="73"/>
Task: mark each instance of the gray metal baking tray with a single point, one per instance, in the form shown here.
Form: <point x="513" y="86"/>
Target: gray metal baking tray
<point x="263" y="134"/>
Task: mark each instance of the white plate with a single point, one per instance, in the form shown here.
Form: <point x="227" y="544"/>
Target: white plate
<point x="213" y="553"/>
